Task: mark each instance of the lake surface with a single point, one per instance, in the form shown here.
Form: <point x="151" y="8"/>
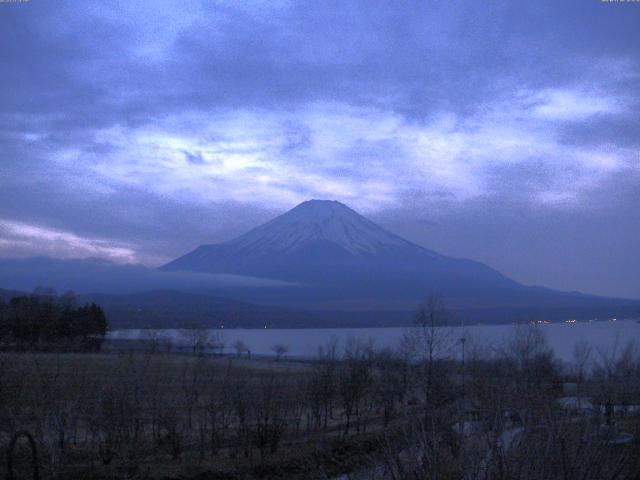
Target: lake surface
<point x="603" y="336"/>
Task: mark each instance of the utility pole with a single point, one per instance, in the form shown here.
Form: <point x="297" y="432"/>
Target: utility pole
<point x="462" y="342"/>
<point x="463" y="409"/>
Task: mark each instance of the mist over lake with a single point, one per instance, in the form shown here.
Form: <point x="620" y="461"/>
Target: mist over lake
<point x="605" y="337"/>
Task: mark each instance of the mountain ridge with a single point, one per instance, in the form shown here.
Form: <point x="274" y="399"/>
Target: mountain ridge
<point x="343" y="260"/>
<point x="319" y="264"/>
<point x="332" y="249"/>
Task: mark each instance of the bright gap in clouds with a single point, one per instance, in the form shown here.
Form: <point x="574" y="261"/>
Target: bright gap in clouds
<point x="369" y="158"/>
<point x="18" y="237"/>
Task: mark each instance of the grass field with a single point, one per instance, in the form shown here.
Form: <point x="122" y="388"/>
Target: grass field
<point x="378" y="414"/>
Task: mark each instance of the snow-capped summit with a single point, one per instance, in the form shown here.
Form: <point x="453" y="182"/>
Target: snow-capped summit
<point x="315" y="222"/>
<point x="326" y="243"/>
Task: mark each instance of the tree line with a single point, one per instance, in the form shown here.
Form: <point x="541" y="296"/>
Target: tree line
<point x="46" y="321"/>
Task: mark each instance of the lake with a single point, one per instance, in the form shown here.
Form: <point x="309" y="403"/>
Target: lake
<point x="603" y="336"/>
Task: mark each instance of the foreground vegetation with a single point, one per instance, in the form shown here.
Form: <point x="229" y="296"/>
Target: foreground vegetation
<point x="354" y="412"/>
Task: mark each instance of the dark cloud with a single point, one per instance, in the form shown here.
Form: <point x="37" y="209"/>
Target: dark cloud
<point x="194" y="158"/>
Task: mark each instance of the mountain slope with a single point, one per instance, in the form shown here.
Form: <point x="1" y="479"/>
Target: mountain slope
<point x="324" y="243"/>
<point x="322" y="222"/>
<point x="327" y="246"/>
<point x="173" y="309"/>
<point x="313" y="229"/>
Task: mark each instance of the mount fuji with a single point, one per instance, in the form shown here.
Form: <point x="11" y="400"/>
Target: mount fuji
<point x="324" y="243"/>
<point x="340" y="260"/>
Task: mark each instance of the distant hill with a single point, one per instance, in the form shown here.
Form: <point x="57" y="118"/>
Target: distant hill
<point x="173" y="309"/>
<point x="170" y="309"/>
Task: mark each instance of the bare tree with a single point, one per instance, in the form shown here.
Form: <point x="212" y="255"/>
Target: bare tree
<point x="167" y="343"/>
<point x="280" y="350"/>
<point x="354" y="378"/>
<point x="152" y="340"/>
<point x="240" y="347"/>
<point x="198" y="339"/>
<point x="218" y="342"/>
<point x="581" y="358"/>
<point x="321" y="386"/>
<point x="429" y="341"/>
<point x="530" y="372"/>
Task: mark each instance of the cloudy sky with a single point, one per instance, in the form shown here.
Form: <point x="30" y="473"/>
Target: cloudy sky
<point x="507" y="132"/>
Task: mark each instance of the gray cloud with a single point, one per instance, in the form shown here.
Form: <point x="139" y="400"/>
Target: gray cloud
<point x="194" y="158"/>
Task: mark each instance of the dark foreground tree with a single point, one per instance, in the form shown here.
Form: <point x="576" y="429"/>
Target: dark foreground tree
<point x="46" y="322"/>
